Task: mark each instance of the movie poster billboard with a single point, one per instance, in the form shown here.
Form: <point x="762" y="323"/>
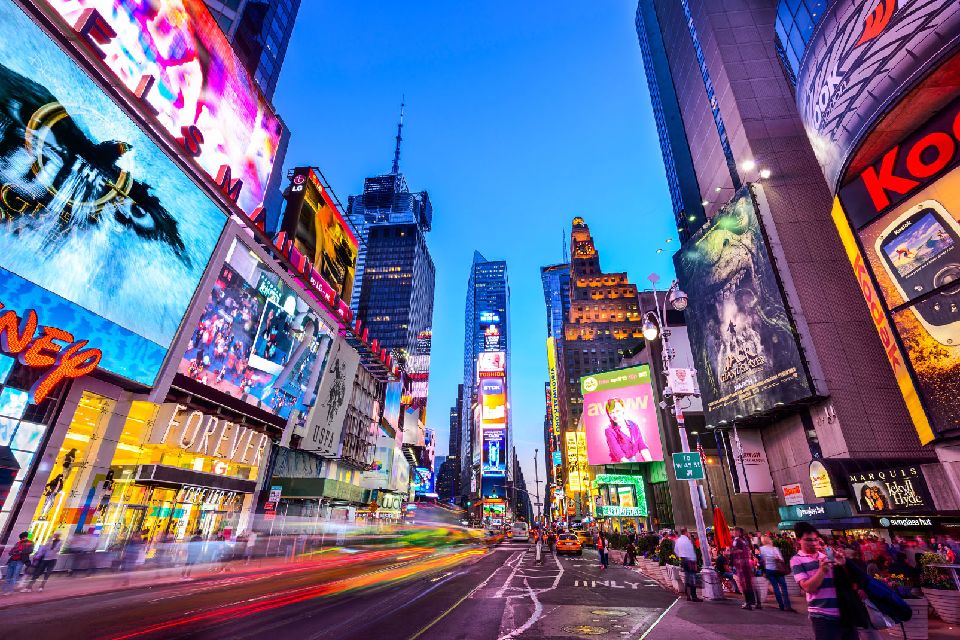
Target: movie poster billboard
<point x="620" y="417"/>
<point x="325" y="424"/>
<point x="320" y="232"/>
<point x="900" y="222"/>
<point x="257" y="339"/>
<point x="863" y="56"/>
<point x="744" y="343"/>
<point x="174" y="55"/>
<point x="494" y="452"/>
<point x="100" y="232"/>
<point x="889" y="488"/>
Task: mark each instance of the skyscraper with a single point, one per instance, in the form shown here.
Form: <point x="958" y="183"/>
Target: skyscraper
<point x="485" y="332"/>
<point x="556" y="295"/>
<point x="260" y="32"/>
<point x="603" y="320"/>
<point x="394" y="282"/>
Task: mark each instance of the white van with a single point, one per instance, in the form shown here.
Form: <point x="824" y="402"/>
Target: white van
<point x="521" y="532"/>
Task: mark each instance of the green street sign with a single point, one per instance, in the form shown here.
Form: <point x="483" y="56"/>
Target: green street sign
<point x="688" y="466"/>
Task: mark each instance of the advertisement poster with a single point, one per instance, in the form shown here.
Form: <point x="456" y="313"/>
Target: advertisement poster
<point x="554" y="387"/>
<point x="862" y="56"/>
<point x="792" y="493"/>
<point x="910" y="239"/>
<point x="330" y="410"/>
<point x="577" y="479"/>
<point x="422" y="481"/>
<point x="391" y="405"/>
<point x="620" y="417"/>
<point x="320" y="232"/>
<point x="492" y="364"/>
<point x="257" y="340"/>
<point x="92" y="210"/>
<point x="894" y="489"/>
<point x="494" y="452"/>
<point x="490" y="330"/>
<point x="748" y="444"/>
<point x="493" y="401"/>
<point x="198" y="82"/>
<point x="744" y="344"/>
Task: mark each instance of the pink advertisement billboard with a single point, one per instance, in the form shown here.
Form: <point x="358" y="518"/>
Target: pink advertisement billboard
<point x="173" y="57"/>
<point x="620" y="417"/>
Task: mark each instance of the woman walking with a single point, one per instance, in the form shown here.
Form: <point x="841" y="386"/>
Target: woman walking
<point x="775" y="569"/>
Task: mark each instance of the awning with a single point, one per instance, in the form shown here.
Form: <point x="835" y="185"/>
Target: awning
<point x="176" y="477"/>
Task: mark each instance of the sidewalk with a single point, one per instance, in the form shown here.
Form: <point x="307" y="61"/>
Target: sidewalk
<point x="61" y="585"/>
<point x="725" y="620"/>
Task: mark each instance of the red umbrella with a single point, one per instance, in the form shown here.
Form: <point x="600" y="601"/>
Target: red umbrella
<point x="721" y="531"/>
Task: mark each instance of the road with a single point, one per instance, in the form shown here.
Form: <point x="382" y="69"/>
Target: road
<point x="499" y="593"/>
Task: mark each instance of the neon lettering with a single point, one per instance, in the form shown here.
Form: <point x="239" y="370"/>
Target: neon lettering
<point x="191" y="141"/>
<point x="94" y="30"/>
<point x="143" y="90"/>
<point x="230" y="187"/>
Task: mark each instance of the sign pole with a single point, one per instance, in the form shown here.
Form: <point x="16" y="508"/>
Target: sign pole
<point x="746" y="480"/>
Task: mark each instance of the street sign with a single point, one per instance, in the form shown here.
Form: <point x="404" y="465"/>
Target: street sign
<point x="688" y="466"/>
<point x="275" y="492"/>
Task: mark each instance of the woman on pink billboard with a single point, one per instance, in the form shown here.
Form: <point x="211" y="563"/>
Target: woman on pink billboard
<point x="623" y="435"/>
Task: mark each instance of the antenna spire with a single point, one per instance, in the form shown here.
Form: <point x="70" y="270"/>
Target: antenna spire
<point x="396" y="153"/>
<point x="563" y="236"/>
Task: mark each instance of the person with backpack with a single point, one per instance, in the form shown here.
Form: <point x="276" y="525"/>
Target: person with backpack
<point x="17" y="561"/>
<point x="44" y="560"/>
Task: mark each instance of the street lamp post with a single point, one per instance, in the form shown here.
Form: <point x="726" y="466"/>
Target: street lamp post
<point x="654" y="320"/>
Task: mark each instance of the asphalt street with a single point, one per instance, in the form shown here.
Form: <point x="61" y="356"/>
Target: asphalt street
<point x="492" y="594"/>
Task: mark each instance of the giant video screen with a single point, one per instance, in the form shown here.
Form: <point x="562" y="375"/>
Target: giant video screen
<point x="620" y="417"/>
<point x="257" y="339"/>
<point x="320" y="232"/>
<point x="99" y="231"/>
<point x="494" y="456"/>
<point x="743" y="340"/>
<point x="198" y="82"/>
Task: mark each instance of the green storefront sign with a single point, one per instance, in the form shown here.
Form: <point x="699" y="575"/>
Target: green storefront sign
<point x="620" y="512"/>
<point x="818" y="511"/>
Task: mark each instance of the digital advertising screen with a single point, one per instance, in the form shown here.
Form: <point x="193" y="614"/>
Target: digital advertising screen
<point x="494" y="459"/>
<point x="422" y="481"/>
<point x="391" y="404"/>
<point x="320" y="231"/>
<point x="620" y="417"/>
<point x="193" y="80"/>
<point x="100" y="232"/>
<point x="493" y="401"/>
<point x="492" y="364"/>
<point x="255" y="341"/>
<point x="493" y="340"/>
<point x="744" y="343"/>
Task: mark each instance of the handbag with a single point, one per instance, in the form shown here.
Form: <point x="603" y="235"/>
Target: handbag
<point x="878" y="619"/>
<point x="780" y="567"/>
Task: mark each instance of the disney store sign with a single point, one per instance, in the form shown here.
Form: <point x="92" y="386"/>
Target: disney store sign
<point x="896" y="489"/>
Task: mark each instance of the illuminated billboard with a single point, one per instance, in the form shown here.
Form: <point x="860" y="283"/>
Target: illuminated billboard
<point x="493" y="340"/>
<point x="100" y="232"/>
<point x="174" y="59"/>
<point x="904" y="231"/>
<point x="493" y="401"/>
<point x="491" y="364"/>
<point x="744" y="342"/>
<point x="319" y="231"/>
<point x="391" y="404"/>
<point x="423" y="481"/>
<point x="577" y="479"/>
<point x="554" y="392"/>
<point x="620" y="417"/>
<point x="330" y="410"/>
<point x="861" y="57"/>
<point x="257" y="339"/>
<point x="494" y="459"/>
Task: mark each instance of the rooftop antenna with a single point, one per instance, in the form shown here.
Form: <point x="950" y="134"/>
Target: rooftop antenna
<point x="396" y="153"/>
<point x="563" y="236"/>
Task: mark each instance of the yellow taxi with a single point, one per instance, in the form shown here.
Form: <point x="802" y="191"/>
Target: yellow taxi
<point x="585" y="538"/>
<point x="569" y="543"/>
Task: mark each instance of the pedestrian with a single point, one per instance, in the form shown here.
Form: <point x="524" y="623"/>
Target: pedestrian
<point x="44" y="560"/>
<point x="630" y="554"/>
<point x="194" y="551"/>
<point x="722" y="565"/>
<point x="741" y="556"/>
<point x="814" y="572"/>
<point x="775" y="569"/>
<point x="683" y="547"/>
<point x="538" y="545"/>
<point x="17" y="560"/>
<point x="602" y="550"/>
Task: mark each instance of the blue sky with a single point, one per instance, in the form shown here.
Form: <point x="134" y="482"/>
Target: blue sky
<point x="520" y="116"/>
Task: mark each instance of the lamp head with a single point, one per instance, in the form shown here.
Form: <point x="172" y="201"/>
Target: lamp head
<point x="678" y="299"/>
<point x="650" y="329"/>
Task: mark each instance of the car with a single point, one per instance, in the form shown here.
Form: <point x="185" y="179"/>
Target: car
<point x="492" y="537"/>
<point x="520" y="532"/>
<point x="569" y="543"/>
<point x="584" y="537"/>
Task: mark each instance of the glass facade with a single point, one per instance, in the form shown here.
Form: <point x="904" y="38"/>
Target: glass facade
<point x="796" y="20"/>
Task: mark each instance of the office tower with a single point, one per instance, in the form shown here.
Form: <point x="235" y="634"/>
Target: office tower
<point x="486" y="334"/>
<point x="556" y="295"/>
<point x="394" y="282"/>
<point x="259" y="31"/>
<point x="809" y="380"/>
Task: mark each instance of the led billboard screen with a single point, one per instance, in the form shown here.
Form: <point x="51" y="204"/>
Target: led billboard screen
<point x="174" y="56"/>
<point x="320" y="232"/>
<point x="257" y="340"/>
<point x="494" y="452"/>
<point x="491" y="364"/>
<point x="490" y="329"/>
<point x="904" y="210"/>
<point x="861" y="57"/>
<point x="620" y="417"/>
<point x="744" y="344"/>
<point x="493" y="401"/>
<point x="391" y="404"/>
<point x="422" y="481"/>
<point x="92" y="210"/>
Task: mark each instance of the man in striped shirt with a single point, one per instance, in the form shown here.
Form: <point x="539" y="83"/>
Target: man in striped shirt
<point x="813" y="571"/>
